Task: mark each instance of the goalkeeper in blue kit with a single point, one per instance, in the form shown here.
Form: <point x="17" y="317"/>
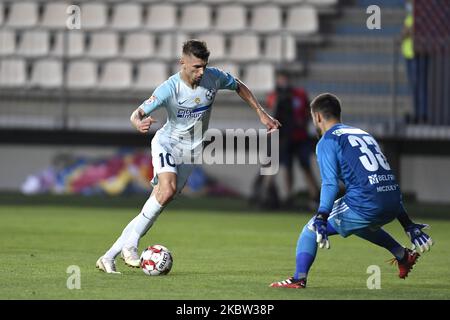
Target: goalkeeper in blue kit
<point x="372" y="197"/>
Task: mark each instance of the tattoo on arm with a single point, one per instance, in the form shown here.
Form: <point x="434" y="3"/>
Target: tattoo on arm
<point x="137" y="116"/>
<point x="244" y="92"/>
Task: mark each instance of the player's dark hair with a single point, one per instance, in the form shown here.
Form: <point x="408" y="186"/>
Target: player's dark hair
<point x="197" y="48"/>
<point x="328" y="105"/>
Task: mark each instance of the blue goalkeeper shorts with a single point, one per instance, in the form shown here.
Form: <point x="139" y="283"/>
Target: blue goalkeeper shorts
<point x="346" y="221"/>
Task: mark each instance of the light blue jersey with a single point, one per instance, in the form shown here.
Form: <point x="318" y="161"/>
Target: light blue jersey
<point x="372" y="195"/>
<point x="188" y="110"/>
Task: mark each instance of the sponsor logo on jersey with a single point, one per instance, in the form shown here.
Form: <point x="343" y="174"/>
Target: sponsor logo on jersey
<point x="194" y="113"/>
<point x="392" y="187"/>
<point x="373" y="179"/>
<point x="377" y="178"/>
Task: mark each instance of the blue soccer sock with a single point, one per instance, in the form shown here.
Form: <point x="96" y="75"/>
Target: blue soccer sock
<point x="382" y="239"/>
<point x="307" y="250"/>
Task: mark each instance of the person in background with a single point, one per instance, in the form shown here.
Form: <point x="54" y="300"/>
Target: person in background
<point x="416" y="68"/>
<point x="290" y="105"/>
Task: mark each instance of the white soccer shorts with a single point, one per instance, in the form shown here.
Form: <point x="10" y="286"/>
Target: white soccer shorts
<point x="163" y="161"/>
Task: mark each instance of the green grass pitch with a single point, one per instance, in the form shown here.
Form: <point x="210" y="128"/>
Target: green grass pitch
<point x="217" y="255"/>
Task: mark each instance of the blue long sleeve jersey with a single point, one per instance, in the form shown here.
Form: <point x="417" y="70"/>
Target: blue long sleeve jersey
<point x="353" y="156"/>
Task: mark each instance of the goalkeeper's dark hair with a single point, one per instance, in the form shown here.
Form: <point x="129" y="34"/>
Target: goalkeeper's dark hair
<point x="197" y="48"/>
<point x="328" y="105"/>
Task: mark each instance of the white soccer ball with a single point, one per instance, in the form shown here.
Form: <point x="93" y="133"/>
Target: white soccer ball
<point x="156" y="260"/>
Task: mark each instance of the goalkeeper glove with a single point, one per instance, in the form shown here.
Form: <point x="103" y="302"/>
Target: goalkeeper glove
<point x="419" y="238"/>
<point x="320" y="227"/>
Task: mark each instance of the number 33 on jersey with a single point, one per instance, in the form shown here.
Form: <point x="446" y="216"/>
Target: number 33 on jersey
<point x="353" y="156"/>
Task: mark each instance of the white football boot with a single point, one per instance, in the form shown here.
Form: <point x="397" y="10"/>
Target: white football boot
<point x="131" y="257"/>
<point x="106" y="265"/>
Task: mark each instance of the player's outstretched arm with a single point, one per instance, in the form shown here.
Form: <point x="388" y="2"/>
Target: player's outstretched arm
<point x="140" y="122"/>
<point x="329" y="168"/>
<point x="244" y="92"/>
<point x="419" y="239"/>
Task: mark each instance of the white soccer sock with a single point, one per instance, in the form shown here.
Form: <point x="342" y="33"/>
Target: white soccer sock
<point x="151" y="209"/>
<point x="144" y="221"/>
<point x="117" y="246"/>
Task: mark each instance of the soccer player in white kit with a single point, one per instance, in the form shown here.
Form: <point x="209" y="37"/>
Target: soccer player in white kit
<point x="187" y="97"/>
